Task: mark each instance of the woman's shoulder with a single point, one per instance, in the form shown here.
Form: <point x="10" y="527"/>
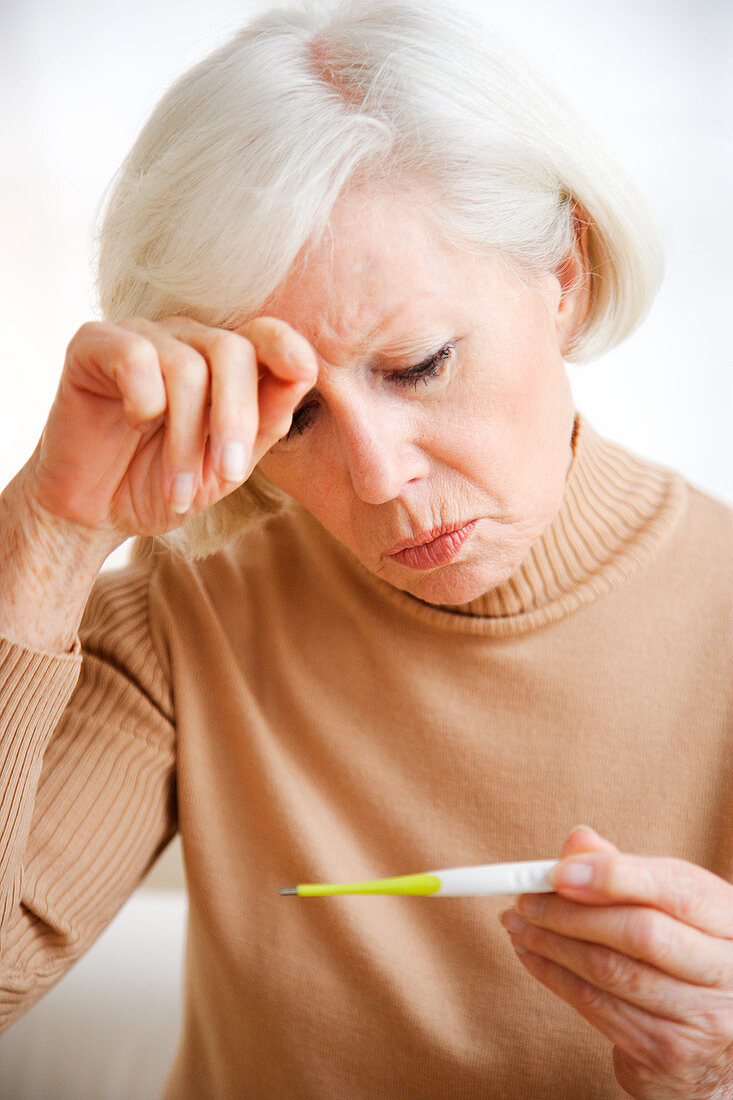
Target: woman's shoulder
<point x="713" y="513"/>
<point x="686" y="512"/>
<point x="693" y="552"/>
<point x="704" y="538"/>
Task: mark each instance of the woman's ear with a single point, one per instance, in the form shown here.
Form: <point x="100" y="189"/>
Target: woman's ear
<point x="574" y="276"/>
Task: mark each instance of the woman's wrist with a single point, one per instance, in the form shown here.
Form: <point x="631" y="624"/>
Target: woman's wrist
<point x="48" y="566"/>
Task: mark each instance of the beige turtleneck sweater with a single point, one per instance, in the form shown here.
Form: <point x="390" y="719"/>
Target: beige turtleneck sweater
<point x="299" y="720"/>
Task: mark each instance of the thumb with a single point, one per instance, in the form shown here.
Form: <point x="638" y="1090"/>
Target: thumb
<point x="585" y="839"/>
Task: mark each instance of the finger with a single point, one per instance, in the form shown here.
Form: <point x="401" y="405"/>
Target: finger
<point x="186" y="377"/>
<point x="292" y="372"/>
<point x="232" y="392"/>
<point x="247" y="411"/>
<point x="683" y="890"/>
<point x="639" y="932"/>
<point x="581" y="839"/>
<point x="141" y="385"/>
<point x="278" y="401"/>
<point x="285" y="352"/>
<point x="234" y="419"/>
<point x="681" y="1055"/>
<point x="584" y="839"/>
<point x="185" y="374"/>
<point x="613" y="972"/>
<point x="111" y="361"/>
<point x="638" y="1079"/>
<point x="630" y="1028"/>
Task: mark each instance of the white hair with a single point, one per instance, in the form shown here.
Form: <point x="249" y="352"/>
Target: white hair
<point x="240" y="164"/>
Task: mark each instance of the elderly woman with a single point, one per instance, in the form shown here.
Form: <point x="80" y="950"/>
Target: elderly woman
<point x="394" y="603"/>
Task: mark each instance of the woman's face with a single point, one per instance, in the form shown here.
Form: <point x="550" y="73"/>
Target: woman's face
<point x="441" y="405"/>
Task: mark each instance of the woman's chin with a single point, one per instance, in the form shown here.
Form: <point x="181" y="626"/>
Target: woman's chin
<point x="452" y="585"/>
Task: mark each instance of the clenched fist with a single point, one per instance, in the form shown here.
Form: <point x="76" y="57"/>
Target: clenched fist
<point x="155" y="421"/>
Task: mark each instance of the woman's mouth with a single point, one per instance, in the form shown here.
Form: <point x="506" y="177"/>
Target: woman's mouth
<point x="432" y="550"/>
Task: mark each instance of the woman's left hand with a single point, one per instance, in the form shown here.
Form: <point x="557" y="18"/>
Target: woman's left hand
<point x="644" y="951"/>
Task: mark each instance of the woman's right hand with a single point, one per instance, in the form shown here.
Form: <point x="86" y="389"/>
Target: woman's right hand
<point x="156" y="421"/>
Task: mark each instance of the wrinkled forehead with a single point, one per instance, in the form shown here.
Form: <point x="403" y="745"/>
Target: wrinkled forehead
<point x="378" y="270"/>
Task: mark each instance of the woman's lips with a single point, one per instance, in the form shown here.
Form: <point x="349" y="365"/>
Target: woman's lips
<point x="438" y="551"/>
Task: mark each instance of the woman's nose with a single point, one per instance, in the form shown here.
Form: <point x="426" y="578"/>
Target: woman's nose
<point x="380" y="453"/>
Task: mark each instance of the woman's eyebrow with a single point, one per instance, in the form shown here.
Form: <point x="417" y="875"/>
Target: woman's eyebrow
<point x="404" y="349"/>
<point x="401" y="349"/>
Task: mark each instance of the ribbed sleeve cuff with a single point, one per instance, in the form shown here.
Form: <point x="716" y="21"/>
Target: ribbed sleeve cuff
<point x="35" y="687"/>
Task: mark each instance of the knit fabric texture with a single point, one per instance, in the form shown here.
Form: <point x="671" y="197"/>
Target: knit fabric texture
<point x="297" y="719"/>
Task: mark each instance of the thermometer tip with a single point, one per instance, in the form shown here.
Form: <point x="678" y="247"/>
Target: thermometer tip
<point x="288" y="890"/>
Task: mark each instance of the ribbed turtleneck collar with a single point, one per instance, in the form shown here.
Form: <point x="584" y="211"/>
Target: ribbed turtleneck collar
<point x="609" y="496"/>
<point x="616" y="510"/>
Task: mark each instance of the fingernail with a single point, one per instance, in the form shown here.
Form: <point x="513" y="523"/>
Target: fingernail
<point x="513" y="922"/>
<point x="532" y="905"/>
<point x="303" y="364"/>
<point x="585" y="828"/>
<point x="182" y="493"/>
<point x="573" y="874"/>
<point x="234" y="461"/>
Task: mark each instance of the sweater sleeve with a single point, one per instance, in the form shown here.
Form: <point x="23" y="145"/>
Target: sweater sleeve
<point x="87" y="785"/>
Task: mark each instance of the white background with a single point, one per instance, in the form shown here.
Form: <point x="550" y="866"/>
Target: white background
<point x="78" y="78"/>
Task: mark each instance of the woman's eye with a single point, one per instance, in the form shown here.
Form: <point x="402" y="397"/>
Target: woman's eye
<point x="423" y="372"/>
<point x="301" y="420"/>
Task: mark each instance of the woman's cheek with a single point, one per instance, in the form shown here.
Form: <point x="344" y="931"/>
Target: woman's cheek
<point x="309" y="473"/>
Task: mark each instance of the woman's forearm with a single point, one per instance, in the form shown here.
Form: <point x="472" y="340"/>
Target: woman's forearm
<point x="47" y="569"/>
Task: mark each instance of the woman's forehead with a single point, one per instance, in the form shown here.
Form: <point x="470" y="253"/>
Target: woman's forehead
<point x="377" y="273"/>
